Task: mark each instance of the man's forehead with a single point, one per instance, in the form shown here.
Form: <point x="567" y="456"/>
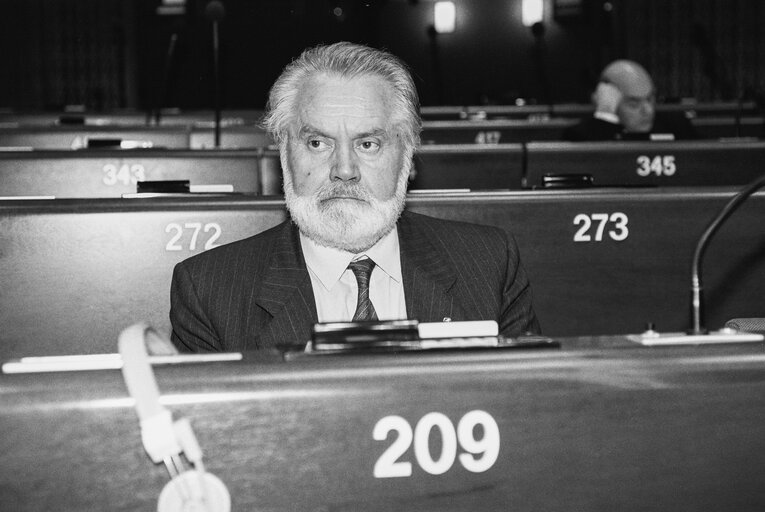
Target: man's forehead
<point x="365" y="102"/>
<point x="649" y="95"/>
<point x="366" y="92"/>
<point x="639" y="90"/>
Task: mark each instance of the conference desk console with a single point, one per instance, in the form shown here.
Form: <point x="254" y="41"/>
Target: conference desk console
<point x="601" y="261"/>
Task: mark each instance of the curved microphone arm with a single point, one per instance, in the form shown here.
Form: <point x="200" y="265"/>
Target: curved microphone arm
<point x="215" y="12"/>
<point x="698" y="254"/>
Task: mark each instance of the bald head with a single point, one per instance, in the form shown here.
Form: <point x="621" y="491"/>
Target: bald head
<point x="637" y="107"/>
<point x="629" y="77"/>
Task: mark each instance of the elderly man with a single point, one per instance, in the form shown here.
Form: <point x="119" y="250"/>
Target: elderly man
<point x="346" y="118"/>
<point x="625" y="108"/>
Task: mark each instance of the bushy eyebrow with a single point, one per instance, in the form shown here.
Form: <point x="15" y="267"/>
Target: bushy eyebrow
<point x="307" y="130"/>
<point x="310" y="130"/>
<point x="379" y="132"/>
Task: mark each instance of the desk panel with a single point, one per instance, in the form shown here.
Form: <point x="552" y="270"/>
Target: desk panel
<point x="468" y="166"/>
<point x="231" y="137"/>
<point x="674" y="163"/>
<point x="75" y="272"/>
<point x="115" y="118"/>
<point x="490" y="128"/>
<point x="79" y="137"/>
<point x="111" y="173"/>
<point x="628" y="429"/>
<point x="493" y="131"/>
<point x="579" y="110"/>
<point x="719" y="127"/>
<point x="604" y="261"/>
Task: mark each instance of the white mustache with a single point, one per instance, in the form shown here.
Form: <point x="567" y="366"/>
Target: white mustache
<point x="344" y="190"/>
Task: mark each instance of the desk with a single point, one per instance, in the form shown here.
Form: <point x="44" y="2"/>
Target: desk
<point x="579" y="110"/>
<point x="597" y="425"/>
<point x="169" y="117"/>
<point x="718" y="127"/>
<point x="79" y="137"/>
<point x="672" y="163"/>
<point x="468" y="166"/>
<point x="231" y="137"/>
<point x="111" y="173"/>
<point x="493" y="131"/>
<point x="600" y="261"/>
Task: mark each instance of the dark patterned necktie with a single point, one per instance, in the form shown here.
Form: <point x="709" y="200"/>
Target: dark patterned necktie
<point x="362" y="269"/>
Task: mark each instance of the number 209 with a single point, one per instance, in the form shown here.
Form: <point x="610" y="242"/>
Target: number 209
<point x="481" y="453"/>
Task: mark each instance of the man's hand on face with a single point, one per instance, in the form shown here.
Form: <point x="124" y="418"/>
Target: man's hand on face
<point x="606" y="98"/>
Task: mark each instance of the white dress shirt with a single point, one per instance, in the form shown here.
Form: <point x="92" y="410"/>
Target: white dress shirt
<point x="334" y="284"/>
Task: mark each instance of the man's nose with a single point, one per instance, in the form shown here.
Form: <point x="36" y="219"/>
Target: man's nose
<point x="345" y="165"/>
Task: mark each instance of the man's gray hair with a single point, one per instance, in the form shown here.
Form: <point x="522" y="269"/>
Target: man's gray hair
<point x="347" y="60"/>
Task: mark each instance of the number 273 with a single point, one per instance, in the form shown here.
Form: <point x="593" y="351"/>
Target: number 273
<point x="592" y="227"/>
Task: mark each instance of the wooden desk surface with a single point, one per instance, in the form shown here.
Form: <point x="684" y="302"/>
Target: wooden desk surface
<point x="596" y="425"/>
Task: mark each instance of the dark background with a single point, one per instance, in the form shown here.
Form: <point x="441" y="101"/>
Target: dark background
<point x="109" y="54"/>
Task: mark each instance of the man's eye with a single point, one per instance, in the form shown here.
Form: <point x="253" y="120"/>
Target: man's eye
<point x="316" y="144"/>
<point x="369" y="145"/>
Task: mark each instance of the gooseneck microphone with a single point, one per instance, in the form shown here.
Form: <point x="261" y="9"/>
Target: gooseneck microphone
<point x="698" y="334"/>
<point x="215" y="12"/>
<point x="540" y="61"/>
<point x="164" y="91"/>
<point x="697" y="305"/>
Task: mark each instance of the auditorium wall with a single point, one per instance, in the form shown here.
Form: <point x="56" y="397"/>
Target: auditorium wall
<point x="109" y="54"/>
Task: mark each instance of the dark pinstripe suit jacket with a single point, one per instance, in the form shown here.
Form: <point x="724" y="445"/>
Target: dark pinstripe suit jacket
<point x="256" y="293"/>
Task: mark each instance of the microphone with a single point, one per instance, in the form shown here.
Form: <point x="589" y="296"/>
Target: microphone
<point x="177" y="25"/>
<point x="166" y="77"/>
<point x="711" y="64"/>
<point x="697" y="309"/>
<point x="540" y="60"/>
<point x="215" y="12"/>
<point x="163" y="439"/>
<point x="698" y="333"/>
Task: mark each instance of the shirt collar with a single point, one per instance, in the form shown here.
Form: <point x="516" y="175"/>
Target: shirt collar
<point x="328" y="264"/>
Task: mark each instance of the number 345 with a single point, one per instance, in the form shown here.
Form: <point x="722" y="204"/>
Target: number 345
<point x="480" y="453"/>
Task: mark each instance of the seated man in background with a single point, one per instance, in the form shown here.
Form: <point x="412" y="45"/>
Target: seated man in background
<point x="346" y="118"/>
<point x="625" y="109"/>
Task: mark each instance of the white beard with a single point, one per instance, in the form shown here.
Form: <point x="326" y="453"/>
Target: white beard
<point x="352" y="225"/>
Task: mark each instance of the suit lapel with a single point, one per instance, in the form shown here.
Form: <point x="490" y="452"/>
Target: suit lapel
<point x="287" y="297"/>
<point x="286" y="293"/>
<point x="428" y="276"/>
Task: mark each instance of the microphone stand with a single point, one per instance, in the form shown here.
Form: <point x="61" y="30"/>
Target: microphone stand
<point x="697" y="310"/>
<point x="540" y="59"/>
<point x="435" y="60"/>
<point x="216" y="80"/>
<point x="166" y="77"/>
<point x="698" y="334"/>
<point x="215" y="12"/>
